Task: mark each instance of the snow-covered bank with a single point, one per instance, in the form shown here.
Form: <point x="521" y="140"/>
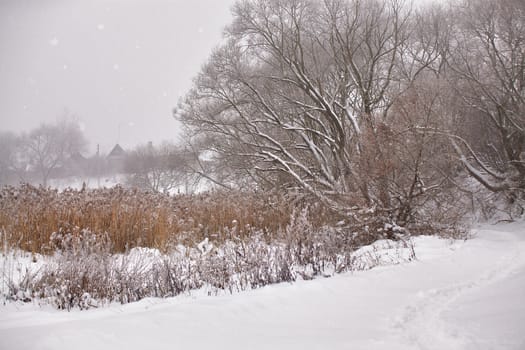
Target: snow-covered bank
<point x="460" y="295"/>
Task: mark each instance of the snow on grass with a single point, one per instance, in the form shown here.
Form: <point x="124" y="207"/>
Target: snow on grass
<point x="457" y="295"/>
<point x="16" y="267"/>
<point x="83" y="273"/>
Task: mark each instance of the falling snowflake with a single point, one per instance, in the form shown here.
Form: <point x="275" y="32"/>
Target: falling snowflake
<point x="200" y="30"/>
<point x="53" y="42"/>
<point x="100" y="26"/>
<point x="116" y="66"/>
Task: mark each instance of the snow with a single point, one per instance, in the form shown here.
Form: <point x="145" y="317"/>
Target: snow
<point x="457" y="295"/>
<point x="77" y="182"/>
<point x="15" y="265"/>
<point x="108" y="181"/>
<point x="53" y="42"/>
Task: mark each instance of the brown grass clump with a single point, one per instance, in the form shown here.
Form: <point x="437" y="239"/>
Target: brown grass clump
<point x="30" y="215"/>
<point x="219" y="241"/>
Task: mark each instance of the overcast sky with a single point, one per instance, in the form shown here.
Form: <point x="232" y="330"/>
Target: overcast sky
<point x="114" y="64"/>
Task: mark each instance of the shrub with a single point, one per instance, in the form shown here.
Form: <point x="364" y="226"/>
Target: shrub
<point x="134" y="218"/>
<point x="83" y="273"/>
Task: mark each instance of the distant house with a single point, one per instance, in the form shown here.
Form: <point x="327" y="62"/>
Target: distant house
<point x="116" y="158"/>
<point x="116" y="153"/>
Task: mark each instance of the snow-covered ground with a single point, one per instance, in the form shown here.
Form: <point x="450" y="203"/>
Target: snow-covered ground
<point x="457" y="295"/>
<point x="77" y="182"/>
<point x="108" y="181"/>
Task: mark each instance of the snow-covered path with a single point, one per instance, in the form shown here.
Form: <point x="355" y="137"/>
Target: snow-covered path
<point x="456" y="296"/>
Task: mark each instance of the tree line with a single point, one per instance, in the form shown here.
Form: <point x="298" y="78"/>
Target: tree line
<point x="59" y="150"/>
<point x="377" y="105"/>
<point x="42" y="153"/>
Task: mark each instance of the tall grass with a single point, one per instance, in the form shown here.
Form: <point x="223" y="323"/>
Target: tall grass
<point x="222" y="241"/>
<point x="85" y="274"/>
<point x="30" y="215"/>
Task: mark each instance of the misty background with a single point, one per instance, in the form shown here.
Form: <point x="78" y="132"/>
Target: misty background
<point x="118" y="67"/>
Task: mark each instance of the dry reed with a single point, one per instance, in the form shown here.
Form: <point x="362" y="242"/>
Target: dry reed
<point x="30" y="215"/>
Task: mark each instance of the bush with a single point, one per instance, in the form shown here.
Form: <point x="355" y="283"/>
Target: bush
<point x="83" y="273"/>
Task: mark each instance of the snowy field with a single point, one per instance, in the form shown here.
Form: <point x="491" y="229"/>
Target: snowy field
<point x="108" y="181"/>
<point x="457" y="295"/>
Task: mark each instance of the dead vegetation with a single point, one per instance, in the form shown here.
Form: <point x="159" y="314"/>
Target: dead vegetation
<point x="29" y="216"/>
<point x="122" y="245"/>
<point x="84" y="273"/>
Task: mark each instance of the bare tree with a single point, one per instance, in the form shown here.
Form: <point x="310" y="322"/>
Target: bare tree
<point x="487" y="61"/>
<point x="49" y="146"/>
<point x="294" y="88"/>
<point x="160" y="169"/>
<point x="11" y="158"/>
<point x="419" y="171"/>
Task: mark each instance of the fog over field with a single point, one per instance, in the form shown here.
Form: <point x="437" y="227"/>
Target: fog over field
<point x="119" y="67"/>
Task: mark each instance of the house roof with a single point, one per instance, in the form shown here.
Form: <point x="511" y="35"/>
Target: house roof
<point x="117" y="152"/>
<point x="77" y="157"/>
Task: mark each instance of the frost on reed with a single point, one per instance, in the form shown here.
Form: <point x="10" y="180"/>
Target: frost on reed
<point x="121" y="245"/>
<point x="133" y="218"/>
<point x="83" y="273"/>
